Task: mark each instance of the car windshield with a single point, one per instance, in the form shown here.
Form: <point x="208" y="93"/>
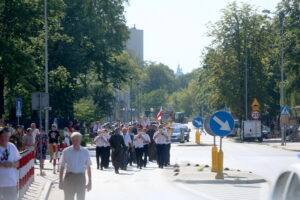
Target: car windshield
<point x="177" y="130"/>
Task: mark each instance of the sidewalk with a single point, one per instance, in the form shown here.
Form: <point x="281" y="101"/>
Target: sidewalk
<point x="236" y="184"/>
<point x="276" y="143"/>
<point x="40" y="188"/>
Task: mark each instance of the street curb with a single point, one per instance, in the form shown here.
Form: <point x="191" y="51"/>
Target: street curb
<point x="46" y="190"/>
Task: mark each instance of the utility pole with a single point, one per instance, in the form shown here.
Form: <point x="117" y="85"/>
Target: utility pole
<point x="246" y="75"/>
<point x="130" y="94"/>
<point x="282" y="103"/>
<point x="46" y="63"/>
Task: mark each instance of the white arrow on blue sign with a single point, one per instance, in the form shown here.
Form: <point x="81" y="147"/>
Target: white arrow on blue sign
<point x="221" y="123"/>
<point x="198" y="122"/>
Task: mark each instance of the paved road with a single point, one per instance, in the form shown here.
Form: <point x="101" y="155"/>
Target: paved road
<point x="147" y="184"/>
<point x="258" y="158"/>
<point x="150" y="183"/>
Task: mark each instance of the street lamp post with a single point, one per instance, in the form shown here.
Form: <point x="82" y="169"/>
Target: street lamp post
<point x="130" y="94"/>
<point x="138" y="87"/>
<point x="282" y="100"/>
<point x="46" y="62"/>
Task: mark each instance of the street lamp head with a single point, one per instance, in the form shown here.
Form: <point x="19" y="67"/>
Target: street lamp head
<point x="266" y="11"/>
<point x="131" y="77"/>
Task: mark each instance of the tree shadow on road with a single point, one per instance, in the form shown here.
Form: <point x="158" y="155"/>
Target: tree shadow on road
<point x="234" y="182"/>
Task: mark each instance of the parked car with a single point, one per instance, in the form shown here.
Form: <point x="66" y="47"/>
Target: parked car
<point x="287" y="185"/>
<point x="177" y="135"/>
<point x="181" y="133"/>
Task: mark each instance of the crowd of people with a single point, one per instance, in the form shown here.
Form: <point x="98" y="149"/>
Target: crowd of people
<point x="19" y="139"/>
<point x="128" y="145"/>
<point x="123" y="144"/>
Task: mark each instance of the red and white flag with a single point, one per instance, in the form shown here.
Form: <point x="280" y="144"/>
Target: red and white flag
<point x="159" y="115"/>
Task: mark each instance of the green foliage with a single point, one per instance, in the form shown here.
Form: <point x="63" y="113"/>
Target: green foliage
<point x="158" y="76"/>
<point x="86" y="54"/>
<point x="84" y="110"/>
<point x="242" y="37"/>
<point x="155" y="99"/>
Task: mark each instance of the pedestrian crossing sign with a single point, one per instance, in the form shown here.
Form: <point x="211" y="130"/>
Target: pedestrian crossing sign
<point x="285" y="111"/>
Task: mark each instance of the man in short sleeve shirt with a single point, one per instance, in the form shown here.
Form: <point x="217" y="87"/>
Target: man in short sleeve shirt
<point x="75" y="161"/>
<point x="9" y="161"/>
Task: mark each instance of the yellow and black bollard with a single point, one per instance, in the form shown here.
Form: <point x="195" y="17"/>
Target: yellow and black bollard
<point x="214" y="157"/>
<point x="220" y="158"/>
<point x="197" y="137"/>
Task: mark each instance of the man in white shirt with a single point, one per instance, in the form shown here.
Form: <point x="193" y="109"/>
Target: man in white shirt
<point x="34" y="131"/>
<point x="160" y="137"/>
<point x="128" y="143"/>
<point x="147" y="141"/>
<point x="139" y="146"/>
<point x="101" y="141"/>
<point x="9" y="161"/>
<point x="76" y="160"/>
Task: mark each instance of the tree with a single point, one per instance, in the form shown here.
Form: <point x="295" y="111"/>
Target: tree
<point x="158" y="76"/>
<point x="155" y="99"/>
<point x="18" y="23"/>
<point x="241" y="38"/>
<point x="291" y="11"/>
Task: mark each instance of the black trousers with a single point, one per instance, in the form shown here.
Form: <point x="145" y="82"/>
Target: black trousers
<point x="102" y="153"/>
<point x="167" y="156"/>
<point x="145" y="155"/>
<point x="106" y="156"/>
<point x="139" y="157"/>
<point x="98" y="155"/>
<point x="132" y="156"/>
<point x="125" y="158"/>
<point x="116" y="158"/>
<point x="161" y="153"/>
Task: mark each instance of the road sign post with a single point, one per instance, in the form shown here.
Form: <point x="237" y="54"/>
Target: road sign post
<point x="221" y="123"/>
<point x="198" y="123"/>
<point x="214" y="149"/>
<point x="284" y="118"/>
<point x="19" y="103"/>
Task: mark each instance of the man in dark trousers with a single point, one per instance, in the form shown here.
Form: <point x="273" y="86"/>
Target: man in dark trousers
<point x="117" y="145"/>
<point x="152" y="145"/>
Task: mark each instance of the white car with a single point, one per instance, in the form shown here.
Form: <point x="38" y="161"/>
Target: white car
<point x="287" y="186"/>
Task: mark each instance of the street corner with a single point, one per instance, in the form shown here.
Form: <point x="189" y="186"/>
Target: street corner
<point x="198" y="178"/>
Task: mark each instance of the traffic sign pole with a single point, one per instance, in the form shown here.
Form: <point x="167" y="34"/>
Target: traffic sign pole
<point x="198" y="123"/>
<point x="221" y="123"/>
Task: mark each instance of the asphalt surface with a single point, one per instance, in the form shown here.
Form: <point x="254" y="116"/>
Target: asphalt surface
<point x="151" y="182"/>
<point x="256" y="157"/>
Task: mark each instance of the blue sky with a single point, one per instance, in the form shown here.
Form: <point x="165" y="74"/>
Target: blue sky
<point x="175" y="30"/>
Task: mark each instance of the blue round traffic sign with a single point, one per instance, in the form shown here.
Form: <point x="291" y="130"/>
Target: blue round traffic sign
<point x="198" y="122"/>
<point x="221" y="123"/>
